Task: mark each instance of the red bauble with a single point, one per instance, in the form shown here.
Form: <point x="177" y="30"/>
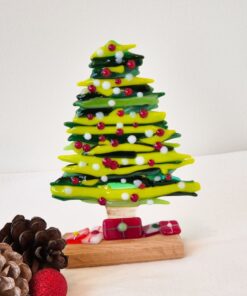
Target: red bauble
<point x="90" y="116"/>
<point x="134" y="197"/>
<point x="168" y="177"/>
<point x="101" y="125"/>
<point x="128" y="91"/>
<point x="48" y="282"/>
<point x="78" y="145"/>
<point x="112" y="47"/>
<point x="158" y="146"/>
<point x="106" y="72"/>
<point x="143" y="113"/>
<point x="120" y="113"/>
<point x="102" y="201"/>
<point x="142" y="186"/>
<point x="151" y="162"/>
<point x="91" y="88"/>
<point x="160" y="132"/>
<point x="114" y="142"/>
<point x="119" y="132"/>
<point x="118" y="81"/>
<point x="86" y="147"/>
<point x="107" y="162"/>
<point x="102" y="138"/>
<point x="131" y="64"/>
<point x="75" y="180"/>
<point x="135" y="124"/>
<point x="114" y="165"/>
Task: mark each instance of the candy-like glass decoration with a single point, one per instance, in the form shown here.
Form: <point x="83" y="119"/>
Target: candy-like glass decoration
<point x="169" y="227"/>
<point x="122" y="228"/>
<point x="121" y="149"/>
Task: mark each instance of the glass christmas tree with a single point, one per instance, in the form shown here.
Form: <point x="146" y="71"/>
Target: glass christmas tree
<point x="121" y="150"/>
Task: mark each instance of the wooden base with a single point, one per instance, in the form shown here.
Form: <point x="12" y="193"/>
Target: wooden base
<point x="156" y="247"/>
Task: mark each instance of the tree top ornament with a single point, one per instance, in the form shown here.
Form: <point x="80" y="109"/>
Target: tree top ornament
<point x="122" y="155"/>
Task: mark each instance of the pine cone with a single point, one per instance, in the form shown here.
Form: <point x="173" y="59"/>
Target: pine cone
<point x="14" y="274"/>
<point x="40" y="247"/>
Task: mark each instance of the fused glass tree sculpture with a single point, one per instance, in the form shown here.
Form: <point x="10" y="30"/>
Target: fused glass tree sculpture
<point x="122" y="155"/>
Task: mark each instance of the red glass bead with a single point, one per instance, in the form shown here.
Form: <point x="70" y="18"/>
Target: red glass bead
<point x="106" y="72"/>
<point x="112" y="47"/>
<point x="90" y="116"/>
<point x="78" y="145"/>
<point x="131" y="64"/>
<point x="114" y="165"/>
<point x="142" y="186"/>
<point x="118" y="81"/>
<point x="102" y="201"/>
<point x="143" y="113"/>
<point x="119" y="132"/>
<point x="160" y="132"/>
<point x="128" y="91"/>
<point x="114" y="142"/>
<point x="86" y="147"/>
<point x="91" y="88"/>
<point x="134" y="197"/>
<point x="168" y="177"/>
<point x="101" y="125"/>
<point x="75" y="180"/>
<point x="107" y="162"/>
<point x="158" y="146"/>
<point x="102" y="138"/>
<point x="94" y="232"/>
<point x="120" y="113"/>
<point x="151" y="162"/>
<point x="135" y="124"/>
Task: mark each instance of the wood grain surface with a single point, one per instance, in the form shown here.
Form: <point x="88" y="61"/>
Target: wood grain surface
<point x="156" y="247"/>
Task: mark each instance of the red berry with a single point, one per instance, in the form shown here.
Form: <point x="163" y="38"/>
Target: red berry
<point x="90" y="116"/>
<point x="107" y="162"/>
<point x="119" y="132"/>
<point x="158" y="146"/>
<point x="143" y="113"/>
<point x="151" y="162"/>
<point x="114" y="165"/>
<point x="120" y="113"/>
<point x="112" y="47"/>
<point x="118" y="81"/>
<point x="114" y="142"/>
<point x="131" y="64"/>
<point x="106" y="72"/>
<point x="102" y="201"/>
<point x="102" y="138"/>
<point x="135" y="124"/>
<point x="91" y="88"/>
<point x="168" y="177"/>
<point x="86" y="147"/>
<point x="160" y="132"/>
<point x="142" y="186"/>
<point x="134" y="197"/>
<point x="101" y="125"/>
<point x="128" y="91"/>
<point x="48" y="282"/>
<point x="78" y="145"/>
<point x="75" y="180"/>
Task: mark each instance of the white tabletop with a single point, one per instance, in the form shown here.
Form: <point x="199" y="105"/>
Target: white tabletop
<point x="213" y="229"/>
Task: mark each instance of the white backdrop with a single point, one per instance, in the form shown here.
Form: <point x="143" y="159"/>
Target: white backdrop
<point x="195" y="50"/>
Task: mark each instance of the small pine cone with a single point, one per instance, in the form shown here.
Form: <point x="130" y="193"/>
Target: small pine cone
<point x="14" y="274"/>
<point x="40" y="247"/>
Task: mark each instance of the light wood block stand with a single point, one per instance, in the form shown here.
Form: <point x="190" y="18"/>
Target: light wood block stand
<point x="156" y="247"/>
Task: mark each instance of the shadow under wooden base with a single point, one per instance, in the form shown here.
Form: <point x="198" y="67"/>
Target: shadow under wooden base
<point x="156" y="247"/>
